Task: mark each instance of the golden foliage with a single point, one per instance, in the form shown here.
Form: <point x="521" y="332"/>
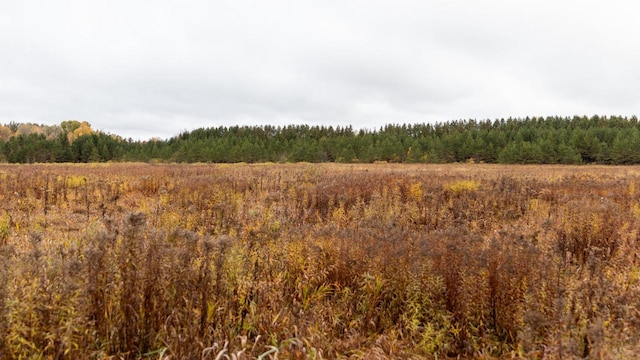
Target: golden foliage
<point x="460" y="186"/>
<point x="5" y="133"/>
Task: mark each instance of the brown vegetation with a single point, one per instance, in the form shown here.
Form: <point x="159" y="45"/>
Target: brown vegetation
<point x="319" y="261"/>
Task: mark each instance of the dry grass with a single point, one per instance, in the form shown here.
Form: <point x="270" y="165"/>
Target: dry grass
<point x="319" y="261"/>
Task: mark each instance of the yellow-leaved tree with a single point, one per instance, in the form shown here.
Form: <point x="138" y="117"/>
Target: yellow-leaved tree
<point x="26" y="129"/>
<point x="74" y="129"/>
<point x="5" y="133"/>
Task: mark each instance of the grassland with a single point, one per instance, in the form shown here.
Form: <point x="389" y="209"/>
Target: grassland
<point x="319" y="261"/>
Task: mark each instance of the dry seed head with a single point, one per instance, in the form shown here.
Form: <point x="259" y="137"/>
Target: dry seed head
<point x="74" y="266"/>
<point x="106" y="238"/>
<point x="208" y="244"/>
<point x="93" y="254"/>
<point x="224" y="241"/>
<point x="184" y="235"/>
<point x="136" y="219"/>
<point x="110" y="223"/>
<point x="35" y="238"/>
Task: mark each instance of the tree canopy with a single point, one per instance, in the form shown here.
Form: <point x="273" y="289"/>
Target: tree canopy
<point x="532" y="140"/>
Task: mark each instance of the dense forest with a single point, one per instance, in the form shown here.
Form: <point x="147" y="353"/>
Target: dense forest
<point x="535" y="140"/>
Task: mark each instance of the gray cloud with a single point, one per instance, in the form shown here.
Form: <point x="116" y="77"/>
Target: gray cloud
<point x="144" y="68"/>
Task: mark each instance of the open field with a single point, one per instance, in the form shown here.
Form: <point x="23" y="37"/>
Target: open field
<point x="319" y="261"/>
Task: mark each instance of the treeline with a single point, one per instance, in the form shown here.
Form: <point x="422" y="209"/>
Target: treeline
<point x="71" y="141"/>
<point x="550" y="140"/>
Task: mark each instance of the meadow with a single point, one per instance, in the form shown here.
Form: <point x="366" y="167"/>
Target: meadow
<point x="201" y="261"/>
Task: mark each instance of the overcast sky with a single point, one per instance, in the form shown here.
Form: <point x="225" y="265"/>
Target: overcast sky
<point x="146" y="69"/>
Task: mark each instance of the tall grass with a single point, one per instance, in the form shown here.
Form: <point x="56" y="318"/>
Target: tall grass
<point x="318" y="261"/>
